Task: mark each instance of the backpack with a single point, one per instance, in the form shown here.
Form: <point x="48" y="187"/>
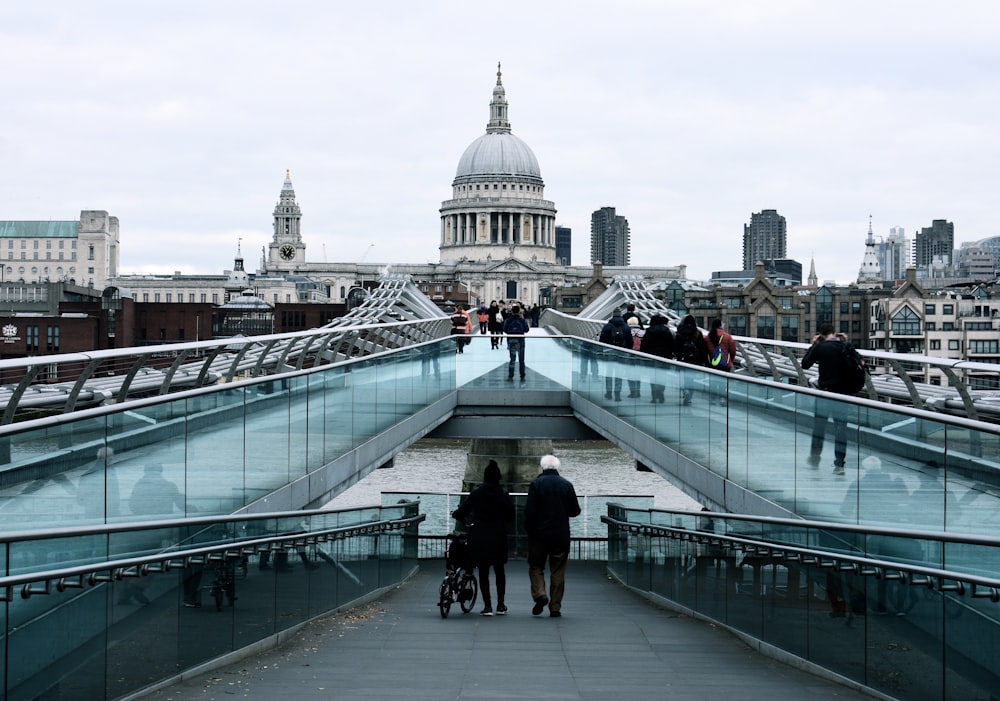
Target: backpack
<point x="719" y="359"/>
<point x="855" y="370"/>
<point x="689" y="352"/>
<point x="617" y="336"/>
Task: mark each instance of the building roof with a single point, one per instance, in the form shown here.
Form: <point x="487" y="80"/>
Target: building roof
<point x="40" y="229"/>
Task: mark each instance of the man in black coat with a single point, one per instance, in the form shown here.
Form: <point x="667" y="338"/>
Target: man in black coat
<point x="827" y="351"/>
<point x="550" y="505"/>
<point x="615" y="333"/>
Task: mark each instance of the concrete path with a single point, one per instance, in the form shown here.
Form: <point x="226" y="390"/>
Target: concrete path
<point x="609" y="644"/>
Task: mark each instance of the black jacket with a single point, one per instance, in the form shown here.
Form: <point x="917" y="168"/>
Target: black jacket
<point x="829" y="355"/>
<point x="550" y="505"/>
<point x="608" y="333"/>
<point x="659" y="340"/>
<point x="491" y="509"/>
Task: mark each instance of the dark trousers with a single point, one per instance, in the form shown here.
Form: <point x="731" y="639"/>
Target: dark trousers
<point x="484" y="583"/>
<point x="538" y="553"/>
<point x="823" y="412"/>
<point x="515" y="346"/>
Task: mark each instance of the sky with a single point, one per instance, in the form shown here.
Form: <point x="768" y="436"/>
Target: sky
<point x="181" y="117"/>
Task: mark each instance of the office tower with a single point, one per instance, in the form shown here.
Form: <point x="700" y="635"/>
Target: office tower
<point x="764" y="238"/>
<point x="935" y="241"/>
<point x="564" y="245"/>
<point x="609" y="238"/>
<point x="894" y="254"/>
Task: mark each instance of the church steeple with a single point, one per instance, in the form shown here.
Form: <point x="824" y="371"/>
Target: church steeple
<point x="871" y="272"/>
<point x="498" y="123"/>
<point x="812" y="280"/>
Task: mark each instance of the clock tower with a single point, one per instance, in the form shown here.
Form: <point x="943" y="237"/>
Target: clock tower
<point x="286" y="251"/>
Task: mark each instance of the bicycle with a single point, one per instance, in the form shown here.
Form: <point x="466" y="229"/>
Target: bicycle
<point x="459" y="584"/>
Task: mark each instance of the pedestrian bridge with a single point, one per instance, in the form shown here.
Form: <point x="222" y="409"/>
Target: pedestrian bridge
<point x="783" y="546"/>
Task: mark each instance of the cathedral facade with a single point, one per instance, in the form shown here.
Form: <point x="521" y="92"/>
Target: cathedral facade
<point x="497" y="240"/>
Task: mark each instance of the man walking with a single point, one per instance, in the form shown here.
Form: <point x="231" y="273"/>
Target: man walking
<point x="827" y="351"/>
<point x="550" y="505"/>
<point x="515" y="327"/>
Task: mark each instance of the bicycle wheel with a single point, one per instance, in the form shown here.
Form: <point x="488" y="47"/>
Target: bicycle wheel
<point x="444" y="598"/>
<point x="468" y="593"/>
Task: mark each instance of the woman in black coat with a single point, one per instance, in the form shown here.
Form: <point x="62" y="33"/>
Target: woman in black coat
<point x="491" y="509"/>
<point x="690" y="347"/>
<point x="658" y="340"/>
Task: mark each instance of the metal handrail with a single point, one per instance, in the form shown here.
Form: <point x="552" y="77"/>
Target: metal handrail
<point x="943" y="580"/>
<point x="94" y="574"/>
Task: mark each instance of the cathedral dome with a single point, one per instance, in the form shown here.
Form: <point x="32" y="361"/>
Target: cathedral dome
<point x="498" y="153"/>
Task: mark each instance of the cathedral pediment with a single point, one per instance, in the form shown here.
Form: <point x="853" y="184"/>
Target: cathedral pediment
<point x="511" y="266"/>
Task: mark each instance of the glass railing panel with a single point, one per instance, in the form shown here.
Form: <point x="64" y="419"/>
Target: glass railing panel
<point x="323" y="398"/>
<point x="214" y="478"/>
<point x="297" y="446"/>
<point x="555" y="358"/>
<point x="266" y="440"/>
<point x="695" y="405"/>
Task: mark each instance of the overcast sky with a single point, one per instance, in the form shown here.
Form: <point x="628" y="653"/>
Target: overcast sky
<point x="181" y="117"/>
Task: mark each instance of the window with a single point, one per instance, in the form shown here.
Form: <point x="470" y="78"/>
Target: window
<point x="204" y="297"/>
<point x="906" y="323"/>
<point x="948" y="309"/>
<point x="31" y="338"/>
<point x="935" y="344"/>
<point x="156" y="296"/>
<point x="790" y="328"/>
<point x="954" y="345"/>
<point x="930" y="326"/>
<point x="191" y="297"/>
<point x="984" y="346"/>
<point x="843" y="307"/>
<point x="170" y="297"/>
<point x="145" y="296"/>
<point x="948" y="326"/>
<point x="855" y="307"/>
<point x="52" y="339"/>
<point x="930" y="309"/>
<point x="90" y="252"/>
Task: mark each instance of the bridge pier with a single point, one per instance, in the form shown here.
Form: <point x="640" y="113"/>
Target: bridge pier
<point x="517" y="457"/>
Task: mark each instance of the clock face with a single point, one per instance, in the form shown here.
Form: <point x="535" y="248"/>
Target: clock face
<point x="288" y="251"/>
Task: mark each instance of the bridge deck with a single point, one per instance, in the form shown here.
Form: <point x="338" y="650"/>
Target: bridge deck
<point x="610" y="643"/>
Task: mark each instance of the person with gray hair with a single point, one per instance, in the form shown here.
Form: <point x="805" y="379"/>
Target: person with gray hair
<point x="551" y="503"/>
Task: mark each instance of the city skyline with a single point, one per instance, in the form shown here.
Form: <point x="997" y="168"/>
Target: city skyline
<point x="181" y="121"/>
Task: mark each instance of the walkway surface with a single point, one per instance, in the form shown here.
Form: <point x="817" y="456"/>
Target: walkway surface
<point x="609" y="644"/>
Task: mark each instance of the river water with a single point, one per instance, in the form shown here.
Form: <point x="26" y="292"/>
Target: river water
<point x="598" y="470"/>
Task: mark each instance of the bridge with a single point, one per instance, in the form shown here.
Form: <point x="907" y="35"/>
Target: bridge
<point x="782" y="547"/>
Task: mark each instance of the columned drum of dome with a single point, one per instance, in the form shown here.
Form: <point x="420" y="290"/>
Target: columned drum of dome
<point x="498" y="208"/>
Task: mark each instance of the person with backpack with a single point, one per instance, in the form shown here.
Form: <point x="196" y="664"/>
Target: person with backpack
<point x="690" y="348"/>
<point x="721" y="351"/>
<point x="658" y="340"/>
<point x="515" y="327"/>
<point x="615" y="333"/>
<point x="829" y="353"/>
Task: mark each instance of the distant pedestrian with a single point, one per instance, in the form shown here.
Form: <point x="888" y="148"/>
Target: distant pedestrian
<point x="483" y="317"/>
<point x="658" y="340"/>
<point x="494" y="323"/>
<point x="491" y="509"/>
<point x="636" y="332"/>
<point x="550" y="504"/>
<point x="515" y="328"/>
<point x="690" y="348"/>
<point x="615" y="333"/>
<point x="461" y="327"/>
<point x="827" y="351"/>
<point x="721" y="356"/>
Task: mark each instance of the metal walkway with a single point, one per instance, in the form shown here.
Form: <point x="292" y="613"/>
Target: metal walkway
<point x="609" y="644"/>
